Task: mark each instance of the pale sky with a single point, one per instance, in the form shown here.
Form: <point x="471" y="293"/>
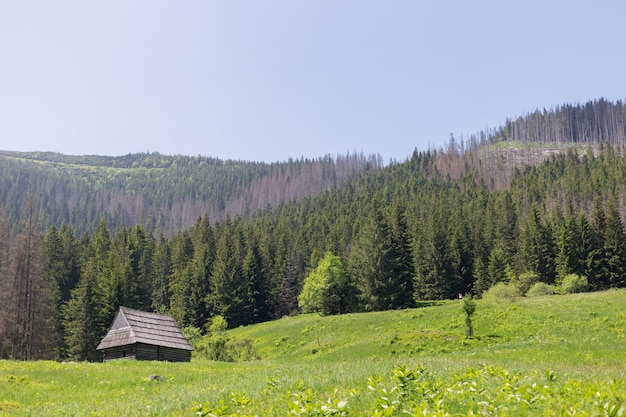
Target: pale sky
<point x="266" y="80"/>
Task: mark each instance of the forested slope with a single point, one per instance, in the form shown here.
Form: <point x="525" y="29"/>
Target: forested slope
<point x="163" y="193"/>
<point x="434" y="226"/>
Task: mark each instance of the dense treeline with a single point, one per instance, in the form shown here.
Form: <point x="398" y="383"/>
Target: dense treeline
<point x="163" y="193"/>
<point x="429" y="228"/>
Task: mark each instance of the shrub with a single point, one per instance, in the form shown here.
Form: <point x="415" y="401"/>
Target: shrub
<point x="218" y="325"/>
<point x="223" y="349"/>
<point x="501" y="292"/>
<point x="193" y="335"/>
<point x="573" y="283"/>
<point x="525" y="281"/>
<point x="328" y="289"/>
<point x="469" y="308"/>
<point x="541" y="288"/>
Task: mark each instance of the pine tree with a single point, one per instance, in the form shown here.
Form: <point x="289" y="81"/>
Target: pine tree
<point x="179" y="283"/>
<point x="437" y="274"/>
<point x="598" y="269"/>
<point x="161" y="265"/>
<point x="584" y="238"/>
<point x="229" y="291"/>
<point x="482" y="282"/>
<point x="380" y="267"/>
<point x="200" y="270"/>
<point x="258" y="303"/>
<point x="111" y="264"/>
<point x="537" y="247"/>
<point x="614" y="246"/>
<point x="567" y="241"/>
<point x="498" y="266"/>
<point x="141" y="247"/>
<point x="402" y="251"/>
<point x="61" y="267"/>
<point x="81" y="317"/>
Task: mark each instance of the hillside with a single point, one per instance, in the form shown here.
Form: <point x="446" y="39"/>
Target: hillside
<point x="163" y="193"/>
<point x="571" y="333"/>
<point x="445" y="222"/>
<point x="557" y="355"/>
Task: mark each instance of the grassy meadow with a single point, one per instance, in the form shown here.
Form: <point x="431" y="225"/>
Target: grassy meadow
<point x="556" y="355"/>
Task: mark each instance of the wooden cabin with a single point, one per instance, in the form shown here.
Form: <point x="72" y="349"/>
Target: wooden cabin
<point x="140" y="335"/>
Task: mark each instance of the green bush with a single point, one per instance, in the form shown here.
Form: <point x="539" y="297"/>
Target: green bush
<point x="525" y="281"/>
<point x="469" y="308"/>
<point x="501" y="292"/>
<point x="193" y="335"/>
<point x="223" y="349"/>
<point x="541" y="288"/>
<point x="574" y="283"/>
<point x="218" y="325"/>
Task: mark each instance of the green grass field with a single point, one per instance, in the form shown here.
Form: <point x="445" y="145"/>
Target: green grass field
<point x="558" y="355"/>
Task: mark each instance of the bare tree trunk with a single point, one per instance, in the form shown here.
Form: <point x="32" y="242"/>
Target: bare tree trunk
<point x="33" y="336"/>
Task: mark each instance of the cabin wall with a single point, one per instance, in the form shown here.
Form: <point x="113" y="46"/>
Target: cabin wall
<point x="145" y="352"/>
<point x="120" y="352"/>
<point x="174" y="355"/>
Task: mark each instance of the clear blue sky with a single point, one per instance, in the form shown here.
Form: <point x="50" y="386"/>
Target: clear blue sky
<point x="266" y="80"/>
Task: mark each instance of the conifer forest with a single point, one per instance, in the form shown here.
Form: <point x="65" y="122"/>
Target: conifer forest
<point x="537" y="199"/>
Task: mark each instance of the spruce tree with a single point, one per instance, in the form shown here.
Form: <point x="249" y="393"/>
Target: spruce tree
<point x="162" y="266"/>
<point x="537" y="247"/>
<point x="257" y="306"/>
<point x="614" y="246"/>
<point x="179" y="284"/>
<point x="380" y="267"/>
<point x="229" y="290"/>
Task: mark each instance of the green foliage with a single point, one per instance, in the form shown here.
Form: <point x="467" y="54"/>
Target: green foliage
<point x="312" y="296"/>
<point x="218" y="347"/>
<point x="328" y="289"/>
<point x="469" y="308"/>
<point x="163" y="192"/>
<point x="193" y="335"/>
<point x="218" y="325"/>
<point x="501" y="292"/>
<point x="443" y="222"/>
<point x="539" y="289"/>
<point x="379" y="264"/>
<point x="573" y="283"/>
<point x="490" y="390"/>
<point x="224" y="349"/>
<point x="525" y="281"/>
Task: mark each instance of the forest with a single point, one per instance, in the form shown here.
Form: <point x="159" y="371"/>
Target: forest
<point x="537" y="200"/>
<point x="165" y="193"/>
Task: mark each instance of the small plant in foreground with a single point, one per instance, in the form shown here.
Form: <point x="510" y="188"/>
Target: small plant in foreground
<point x="469" y="308"/>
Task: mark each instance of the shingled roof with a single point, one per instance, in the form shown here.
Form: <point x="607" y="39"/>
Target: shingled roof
<point x="134" y="326"/>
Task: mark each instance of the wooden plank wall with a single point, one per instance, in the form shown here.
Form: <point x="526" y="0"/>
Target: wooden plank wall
<point x="145" y="352"/>
<point x="120" y="352"/>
